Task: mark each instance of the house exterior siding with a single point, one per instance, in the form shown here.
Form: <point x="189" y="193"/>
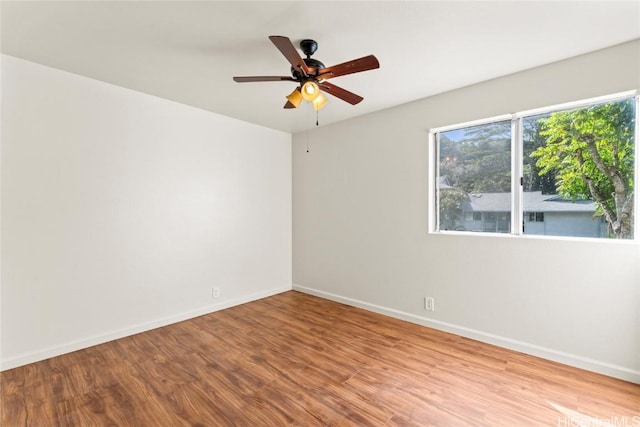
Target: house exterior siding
<point x="544" y="214"/>
<point x="573" y="224"/>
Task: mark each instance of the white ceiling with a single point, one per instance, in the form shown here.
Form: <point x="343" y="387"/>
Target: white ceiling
<point x="189" y="51"/>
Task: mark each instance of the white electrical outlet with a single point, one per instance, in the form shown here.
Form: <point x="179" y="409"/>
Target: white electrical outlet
<point x="429" y="304"/>
<point x="215" y="292"/>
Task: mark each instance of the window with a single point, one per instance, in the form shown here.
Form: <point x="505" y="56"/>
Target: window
<point x="561" y="171"/>
<point x="474" y="172"/>
<point x="536" y="216"/>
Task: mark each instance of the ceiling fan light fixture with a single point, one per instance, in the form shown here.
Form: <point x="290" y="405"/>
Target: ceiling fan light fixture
<point x="295" y="97"/>
<point x="309" y="71"/>
<point x="310" y="90"/>
<point x="319" y="102"/>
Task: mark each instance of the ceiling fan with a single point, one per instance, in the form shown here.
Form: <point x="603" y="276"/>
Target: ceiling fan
<point x="312" y="74"/>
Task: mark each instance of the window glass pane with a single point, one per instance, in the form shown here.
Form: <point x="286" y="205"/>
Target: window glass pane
<point x="474" y="186"/>
<point x="578" y="168"/>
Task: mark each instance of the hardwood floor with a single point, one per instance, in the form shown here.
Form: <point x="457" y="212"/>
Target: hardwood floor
<point x="297" y="360"/>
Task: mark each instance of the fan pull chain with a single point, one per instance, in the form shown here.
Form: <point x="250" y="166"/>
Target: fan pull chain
<point x="317" y="117"/>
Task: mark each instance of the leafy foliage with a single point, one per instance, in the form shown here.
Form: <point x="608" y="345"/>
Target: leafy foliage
<point x="451" y="201"/>
<point x="480" y="162"/>
<point x="590" y="152"/>
<point x="531" y="141"/>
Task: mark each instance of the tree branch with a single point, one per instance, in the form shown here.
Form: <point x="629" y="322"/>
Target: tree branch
<point x="611" y="172"/>
<point x="600" y="198"/>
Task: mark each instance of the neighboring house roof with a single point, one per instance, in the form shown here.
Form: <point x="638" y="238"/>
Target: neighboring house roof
<point x="532" y="201"/>
<point x="536" y="202"/>
<point x="489" y="202"/>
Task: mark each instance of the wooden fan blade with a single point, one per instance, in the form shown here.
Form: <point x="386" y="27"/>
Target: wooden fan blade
<point x="289" y="105"/>
<point x="289" y="51"/>
<point x="365" y="63"/>
<point x="263" y="79"/>
<point x="338" y="92"/>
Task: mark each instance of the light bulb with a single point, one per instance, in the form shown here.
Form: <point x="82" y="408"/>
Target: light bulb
<point x="310" y="90"/>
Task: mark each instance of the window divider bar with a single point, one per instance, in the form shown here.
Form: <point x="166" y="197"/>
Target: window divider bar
<point x="517" y="215"/>
<point x="434" y="154"/>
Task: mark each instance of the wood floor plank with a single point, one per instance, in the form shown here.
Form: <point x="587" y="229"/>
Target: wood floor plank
<point x="298" y="360"/>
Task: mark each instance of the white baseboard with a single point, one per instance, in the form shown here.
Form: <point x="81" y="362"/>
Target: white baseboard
<point x="69" y="347"/>
<point x="520" y="346"/>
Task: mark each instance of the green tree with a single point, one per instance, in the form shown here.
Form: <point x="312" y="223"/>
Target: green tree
<point x="451" y="201"/>
<point x="590" y="151"/>
<point x="480" y="160"/>
<point x="531" y="141"/>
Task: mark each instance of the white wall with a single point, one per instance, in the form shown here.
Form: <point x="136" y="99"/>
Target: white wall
<point x="360" y="228"/>
<point x="121" y="211"/>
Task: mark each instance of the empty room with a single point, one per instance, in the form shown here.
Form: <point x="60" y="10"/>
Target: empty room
<point x="319" y="213"/>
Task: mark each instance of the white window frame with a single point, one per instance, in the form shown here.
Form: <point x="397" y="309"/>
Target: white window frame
<point x="517" y="213"/>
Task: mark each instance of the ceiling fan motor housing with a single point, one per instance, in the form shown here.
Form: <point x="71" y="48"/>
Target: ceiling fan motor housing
<point x="313" y="64"/>
<point x="308" y="47"/>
